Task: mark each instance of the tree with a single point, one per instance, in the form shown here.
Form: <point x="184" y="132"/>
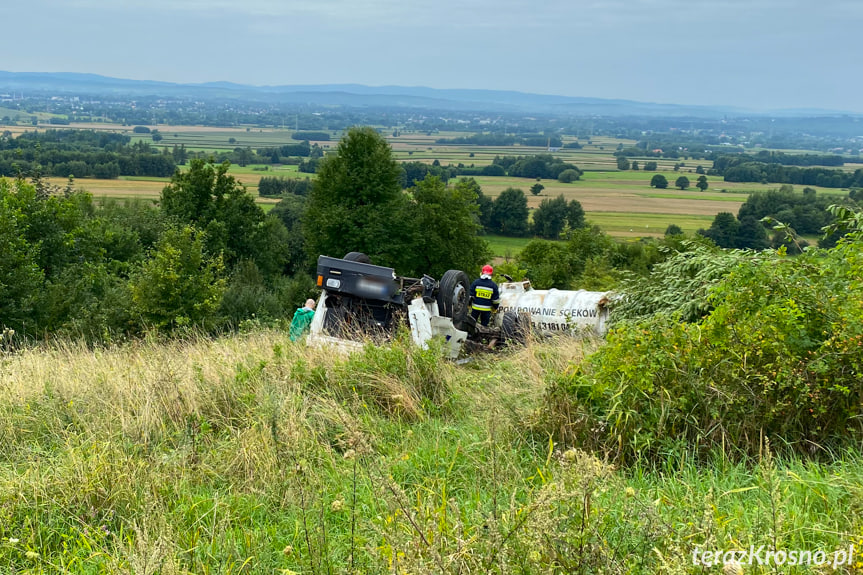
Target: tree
<point x="550" y="218"/>
<point x="509" y="213"/>
<point x="751" y="235"/>
<point x="290" y="210"/>
<point x="701" y="183"/>
<point x="723" y="231"/>
<point x="622" y="163"/>
<point x="413" y="172"/>
<point x="682" y="182"/>
<point x="20" y="276"/>
<point x="357" y="204"/>
<point x="448" y="220"/>
<point x="208" y="198"/>
<point x="484" y="203"/>
<point x="699" y="169"/>
<point x="673" y="230"/>
<point x="536" y="189"/>
<point x="650" y="167"/>
<point x="568" y="176"/>
<point x="547" y="264"/>
<point x="635" y="165"/>
<point x="659" y="181"/>
<point x="179" y="285"/>
<point x="575" y="215"/>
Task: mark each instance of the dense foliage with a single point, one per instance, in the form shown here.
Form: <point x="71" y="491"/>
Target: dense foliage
<point x="589" y="259"/>
<point x="785" y="169"/>
<point x="206" y="257"/>
<point x="82" y="153"/>
<point x="493" y="139"/>
<point x="803" y="213"/>
<point x="773" y="347"/>
<point x="279" y="186"/>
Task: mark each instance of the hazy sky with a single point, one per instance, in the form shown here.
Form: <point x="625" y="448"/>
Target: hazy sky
<point x="763" y="54"/>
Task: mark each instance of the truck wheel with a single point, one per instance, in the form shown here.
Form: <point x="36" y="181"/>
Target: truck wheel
<point x="515" y="327"/>
<point x="357" y="257"/>
<point x="453" y="296"/>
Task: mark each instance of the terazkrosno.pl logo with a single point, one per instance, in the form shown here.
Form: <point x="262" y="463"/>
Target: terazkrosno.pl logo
<point x="776" y="557"/>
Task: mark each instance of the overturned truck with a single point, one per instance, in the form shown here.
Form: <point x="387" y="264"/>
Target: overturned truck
<point x="361" y="302"/>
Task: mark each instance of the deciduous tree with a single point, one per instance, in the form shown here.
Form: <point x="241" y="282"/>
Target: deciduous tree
<point x="357" y="204"/>
<point x="659" y="181"/>
<point x="509" y="213"/>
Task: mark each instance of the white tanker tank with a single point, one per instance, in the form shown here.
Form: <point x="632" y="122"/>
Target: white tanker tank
<point x="557" y="311"/>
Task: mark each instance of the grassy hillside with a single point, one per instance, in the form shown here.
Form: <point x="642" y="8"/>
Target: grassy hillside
<point x="251" y="454"/>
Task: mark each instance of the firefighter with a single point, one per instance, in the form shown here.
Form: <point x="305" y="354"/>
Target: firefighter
<point x="485" y="296"/>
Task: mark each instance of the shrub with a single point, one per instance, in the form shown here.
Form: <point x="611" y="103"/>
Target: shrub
<point x="779" y="355"/>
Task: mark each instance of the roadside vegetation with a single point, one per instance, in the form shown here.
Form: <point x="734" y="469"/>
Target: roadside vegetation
<point x="252" y="454"/>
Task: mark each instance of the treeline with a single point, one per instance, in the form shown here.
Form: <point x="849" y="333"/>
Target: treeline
<point x="81" y="153"/>
<point x="746" y="169"/>
<point x="769" y="157"/>
<point x="492" y="139"/>
<point x="508" y="215"/>
<point x="773" y="173"/>
<point x="317" y="136"/>
<point x="279" y="186"/>
<point x="542" y="166"/>
<point x="668" y="148"/>
<point x="804" y="213"/>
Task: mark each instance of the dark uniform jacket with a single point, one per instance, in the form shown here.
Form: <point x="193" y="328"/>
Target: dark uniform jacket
<point x="485" y="295"/>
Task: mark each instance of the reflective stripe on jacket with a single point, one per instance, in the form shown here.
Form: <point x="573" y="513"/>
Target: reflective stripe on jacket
<point x="485" y="295"/>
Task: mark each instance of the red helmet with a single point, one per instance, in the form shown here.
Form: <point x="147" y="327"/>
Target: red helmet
<point x="487" y="270"/>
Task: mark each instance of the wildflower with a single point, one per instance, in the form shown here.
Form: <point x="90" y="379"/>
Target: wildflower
<point x="31" y="555"/>
<point x="287" y="550"/>
<point x="629" y="491"/>
<point x="350" y="454"/>
<point x="337" y="505"/>
<point x="13" y="541"/>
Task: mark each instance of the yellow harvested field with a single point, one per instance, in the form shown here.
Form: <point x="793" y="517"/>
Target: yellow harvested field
<point x="146" y="189"/>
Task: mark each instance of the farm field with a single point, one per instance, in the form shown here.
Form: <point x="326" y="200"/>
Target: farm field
<point x="621" y="202"/>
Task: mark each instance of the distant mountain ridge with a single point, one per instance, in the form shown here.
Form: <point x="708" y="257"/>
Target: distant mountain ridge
<point x="358" y="95"/>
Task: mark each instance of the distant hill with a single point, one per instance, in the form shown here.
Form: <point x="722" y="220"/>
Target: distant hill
<point x="357" y="95"/>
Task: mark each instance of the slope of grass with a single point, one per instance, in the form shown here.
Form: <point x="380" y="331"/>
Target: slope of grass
<point x="251" y="454"/>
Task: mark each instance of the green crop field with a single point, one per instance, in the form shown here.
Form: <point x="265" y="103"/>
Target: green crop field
<point x="503" y="247"/>
<point x="622" y="202"/>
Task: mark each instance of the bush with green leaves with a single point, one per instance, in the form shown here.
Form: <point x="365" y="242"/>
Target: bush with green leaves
<point x="179" y="285"/>
<point x="778" y="353"/>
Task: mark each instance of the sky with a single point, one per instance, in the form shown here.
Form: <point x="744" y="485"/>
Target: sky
<point x="755" y="54"/>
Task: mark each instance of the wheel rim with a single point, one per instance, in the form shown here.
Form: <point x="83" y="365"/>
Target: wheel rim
<point x="459" y="300"/>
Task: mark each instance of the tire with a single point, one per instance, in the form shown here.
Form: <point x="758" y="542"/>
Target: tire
<point x="357" y="257"/>
<point x="453" y="297"/>
<point x="515" y="327"/>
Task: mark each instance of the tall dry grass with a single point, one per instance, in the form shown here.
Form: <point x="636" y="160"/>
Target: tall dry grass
<point x="251" y="454"/>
